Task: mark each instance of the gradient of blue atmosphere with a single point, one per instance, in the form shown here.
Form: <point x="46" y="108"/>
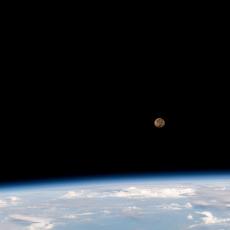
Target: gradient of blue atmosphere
<point x="130" y="202"/>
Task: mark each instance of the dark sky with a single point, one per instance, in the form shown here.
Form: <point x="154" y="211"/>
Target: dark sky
<point x="84" y="106"/>
<point x="69" y="133"/>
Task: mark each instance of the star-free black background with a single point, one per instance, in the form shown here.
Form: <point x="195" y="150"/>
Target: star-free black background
<point x="83" y="101"/>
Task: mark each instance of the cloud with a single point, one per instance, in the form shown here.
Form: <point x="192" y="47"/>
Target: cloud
<point x="132" y="211"/>
<point x="35" y="222"/>
<point x="80" y="194"/>
<point x="175" y="206"/>
<point x="209" y="219"/>
<point x="221" y="188"/>
<point x="70" y="195"/>
<point x="188" y="205"/>
<point x="13" y="200"/>
<point x="106" y="212"/>
<point x="216" y="197"/>
<point x="70" y="216"/>
<point x="133" y="192"/>
<point x="190" y="217"/>
<point x="3" y="204"/>
<point x="78" y="215"/>
<point x="40" y="226"/>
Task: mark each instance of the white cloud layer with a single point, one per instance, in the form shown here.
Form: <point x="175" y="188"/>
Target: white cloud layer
<point x="175" y="206"/>
<point x="132" y="211"/>
<point x="133" y="192"/>
<point x="70" y="195"/>
<point x="12" y="200"/>
<point x="214" y="197"/>
<point x="78" y="215"/>
<point x="3" y="204"/>
<point x="209" y="219"/>
<point x="35" y="223"/>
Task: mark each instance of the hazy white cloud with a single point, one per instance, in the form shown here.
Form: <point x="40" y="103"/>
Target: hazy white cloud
<point x="190" y="217"/>
<point x="131" y="208"/>
<point x="216" y="197"/>
<point x="13" y="200"/>
<point x="175" y="206"/>
<point x="78" y="215"/>
<point x="106" y="212"/>
<point x="70" y="195"/>
<point x="133" y="192"/>
<point x="221" y="188"/>
<point x="209" y="219"/>
<point x="81" y="194"/>
<point x="132" y="211"/>
<point x="3" y="204"/>
<point x="35" y="223"/>
<point x="40" y="226"/>
<point x="203" y="203"/>
<point x="188" y="205"/>
<point x="85" y="214"/>
<point x="70" y="216"/>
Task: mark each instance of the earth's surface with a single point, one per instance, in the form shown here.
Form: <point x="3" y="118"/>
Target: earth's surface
<point x="144" y="203"/>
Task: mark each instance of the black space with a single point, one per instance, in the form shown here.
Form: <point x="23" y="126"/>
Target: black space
<point x="82" y="104"/>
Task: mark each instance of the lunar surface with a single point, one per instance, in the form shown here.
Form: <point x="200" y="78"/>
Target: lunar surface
<point x="159" y="122"/>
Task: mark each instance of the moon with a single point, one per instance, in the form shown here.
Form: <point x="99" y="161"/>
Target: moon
<point x="159" y="122"/>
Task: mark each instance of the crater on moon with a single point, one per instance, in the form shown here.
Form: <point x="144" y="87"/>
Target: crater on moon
<point x="159" y="122"/>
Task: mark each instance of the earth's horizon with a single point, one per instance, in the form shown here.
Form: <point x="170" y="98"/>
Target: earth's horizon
<point x="132" y="203"/>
